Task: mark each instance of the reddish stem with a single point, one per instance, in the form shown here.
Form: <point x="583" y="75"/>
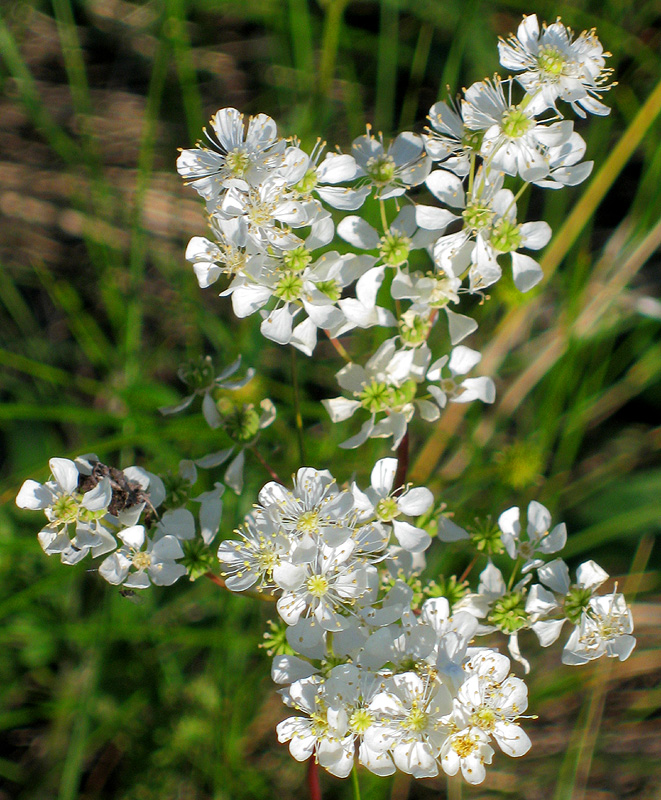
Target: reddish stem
<point x="266" y="465"/>
<point x="313" y="779"/>
<point x="215" y="579"/>
<point x="402" y="462"/>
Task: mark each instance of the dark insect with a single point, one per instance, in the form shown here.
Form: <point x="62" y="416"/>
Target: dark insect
<point x="125" y="493"/>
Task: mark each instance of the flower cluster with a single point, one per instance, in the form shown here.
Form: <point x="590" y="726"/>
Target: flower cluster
<point x="89" y="506"/>
<point x="380" y="666"/>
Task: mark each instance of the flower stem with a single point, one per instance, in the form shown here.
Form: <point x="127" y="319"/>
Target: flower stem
<point x="468" y="570"/>
<point x="265" y="464"/>
<point x="356" y="785"/>
<point x="215" y="579"/>
<point x="339" y="347"/>
<point x="313" y="779"/>
<point x="384" y="217"/>
<point x="297" y="408"/>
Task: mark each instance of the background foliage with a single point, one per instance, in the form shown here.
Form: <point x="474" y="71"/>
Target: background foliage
<point x="170" y="697"/>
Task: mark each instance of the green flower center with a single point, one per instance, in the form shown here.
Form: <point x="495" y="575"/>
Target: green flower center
<point x="394" y="249"/>
<point x="318" y="586"/>
<point x="178" y="491"/>
<point x="485" y="536"/>
<point x="197" y="374"/>
<point x="237" y="162"/>
<point x="551" y="61"/>
<point x="297" y="260"/>
<point x="386" y="509"/>
<point x="198" y="559"/>
<point x="414" y="329"/>
<point x="509" y="614"/>
<point x="307" y="182"/>
<point x="381" y="169"/>
<point x="242" y="423"/>
<point x="65" y="508"/>
<point x="416" y="720"/>
<point x="141" y="560"/>
<point x="404" y="394"/>
<point x="360" y="721"/>
<point x="289" y="287"/>
<point x="515" y="123"/>
<point x="506" y="236"/>
<point x="375" y="397"/>
<point x="330" y="288"/>
<point x="477" y="217"/>
<point x="576" y="602"/>
<point x="308" y="522"/>
<point x="484" y="718"/>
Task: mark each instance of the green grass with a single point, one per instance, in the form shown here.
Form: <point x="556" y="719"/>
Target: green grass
<point x="170" y="697"/>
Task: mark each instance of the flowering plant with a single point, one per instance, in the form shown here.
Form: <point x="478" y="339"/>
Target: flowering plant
<point x="382" y="668"/>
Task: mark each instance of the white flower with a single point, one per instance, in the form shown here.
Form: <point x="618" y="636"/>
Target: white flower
<point x="540" y="537"/>
<point x="490" y="230"/>
<point x="493" y="705"/>
<point x="513" y="141"/>
<point x="409" y="722"/>
<point x="324" y="732"/>
<point x="322" y="178"/>
<point x="564" y="169"/>
<point x="233" y="156"/>
<point x="554" y="66"/>
<point x="157" y="561"/>
<point x="251" y="560"/>
<point x="605" y="629"/>
<point x="387" y="505"/>
<point x="450" y="140"/>
<point x="315" y="510"/>
<point x="391" y="172"/>
<point x="65" y="505"/>
<point x="461" y="360"/>
<point x="326" y="587"/>
<point x="403" y="234"/>
<point x="386" y="385"/>
<point x="469" y="751"/>
<point x="269" y="210"/>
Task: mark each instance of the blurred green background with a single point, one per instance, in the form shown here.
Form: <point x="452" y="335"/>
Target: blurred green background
<point x="171" y="697"/>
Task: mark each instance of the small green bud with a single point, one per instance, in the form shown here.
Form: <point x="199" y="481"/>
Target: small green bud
<point x="414" y="329"/>
<point x="450" y="588"/>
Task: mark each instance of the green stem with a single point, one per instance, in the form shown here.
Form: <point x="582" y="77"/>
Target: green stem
<point x="513" y="575"/>
<point x="356" y="785"/>
<point x="297" y="408"/>
<point x="384" y="217"/>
